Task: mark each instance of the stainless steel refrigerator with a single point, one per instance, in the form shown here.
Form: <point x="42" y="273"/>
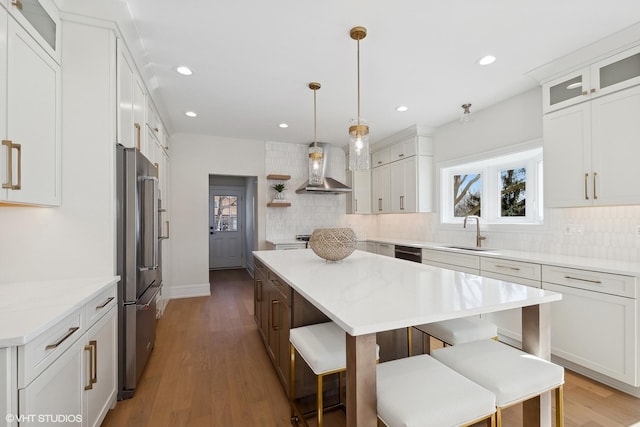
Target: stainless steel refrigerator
<point x="138" y="264"/>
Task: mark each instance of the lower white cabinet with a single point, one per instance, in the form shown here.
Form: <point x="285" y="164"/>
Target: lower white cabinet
<point x="386" y="249"/>
<point x="77" y="387"/>
<point x="451" y="260"/>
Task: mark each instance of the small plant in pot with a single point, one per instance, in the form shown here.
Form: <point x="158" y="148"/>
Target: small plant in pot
<point x="280" y="187"/>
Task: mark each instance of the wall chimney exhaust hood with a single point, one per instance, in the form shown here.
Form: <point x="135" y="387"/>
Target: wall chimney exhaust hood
<point x="330" y="185"/>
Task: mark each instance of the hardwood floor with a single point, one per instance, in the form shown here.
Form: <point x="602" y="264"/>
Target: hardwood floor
<point x="210" y="368"/>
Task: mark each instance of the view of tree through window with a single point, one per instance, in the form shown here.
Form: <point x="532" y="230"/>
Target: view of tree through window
<point x="226" y="213"/>
<point x="467" y="194"/>
<point x="513" y="192"/>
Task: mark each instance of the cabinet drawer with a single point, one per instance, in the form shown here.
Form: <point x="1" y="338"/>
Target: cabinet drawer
<point x="523" y="270"/>
<point x="614" y="284"/>
<point x="281" y="287"/>
<point x="461" y="260"/>
<point x="380" y="158"/>
<point x="402" y="150"/>
<point x="100" y="305"/>
<point x="512" y="279"/>
<point x="451" y="267"/>
<point x="40" y="352"/>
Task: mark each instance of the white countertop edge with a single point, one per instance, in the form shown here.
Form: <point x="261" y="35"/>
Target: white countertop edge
<point x="49" y="314"/>
<point x="557" y="260"/>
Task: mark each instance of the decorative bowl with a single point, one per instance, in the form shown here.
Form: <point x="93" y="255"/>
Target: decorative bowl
<point x="333" y="244"/>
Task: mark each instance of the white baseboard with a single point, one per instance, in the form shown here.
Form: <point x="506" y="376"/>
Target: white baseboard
<point x="188" y="291"/>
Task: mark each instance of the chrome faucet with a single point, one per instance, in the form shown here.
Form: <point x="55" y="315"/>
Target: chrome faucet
<point x="479" y="238"/>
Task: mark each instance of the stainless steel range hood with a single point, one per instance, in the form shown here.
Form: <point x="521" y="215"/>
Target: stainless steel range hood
<point x="330" y="185"/>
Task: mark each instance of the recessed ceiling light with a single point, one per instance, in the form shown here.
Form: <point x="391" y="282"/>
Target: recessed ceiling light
<point x="486" y="60"/>
<point x="283" y="125"/>
<point x="190" y="114"/>
<point x="402" y="108"/>
<point x="185" y="71"/>
<point x="574" y="85"/>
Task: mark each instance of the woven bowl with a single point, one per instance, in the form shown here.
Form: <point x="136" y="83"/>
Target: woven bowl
<point x="333" y="244"/>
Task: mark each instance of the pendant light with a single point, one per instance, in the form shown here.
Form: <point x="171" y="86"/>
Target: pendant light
<point x="466" y="114"/>
<point x="316" y="172"/>
<point x="359" y="130"/>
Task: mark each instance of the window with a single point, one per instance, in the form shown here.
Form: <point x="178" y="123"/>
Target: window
<point x="505" y="189"/>
<point x="225" y="210"/>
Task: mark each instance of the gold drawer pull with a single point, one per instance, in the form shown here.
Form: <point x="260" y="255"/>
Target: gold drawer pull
<point x="98" y="307"/>
<point x="67" y="335"/>
<point x="89" y="348"/>
<point x="17" y="3"/>
<point x="597" y="282"/>
<point x="586" y="191"/>
<point x="508" y="267"/>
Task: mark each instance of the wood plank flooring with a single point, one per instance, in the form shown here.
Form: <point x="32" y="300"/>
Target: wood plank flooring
<point x="210" y="368"/>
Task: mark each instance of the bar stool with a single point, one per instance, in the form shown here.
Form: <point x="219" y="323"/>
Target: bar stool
<point x="323" y="348"/>
<point x="458" y="331"/>
<point x="512" y="375"/>
<point x="419" y="391"/>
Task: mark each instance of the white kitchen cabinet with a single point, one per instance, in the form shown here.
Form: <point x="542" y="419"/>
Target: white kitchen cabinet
<point x="371" y="247"/>
<point x="359" y="200"/>
<point x="451" y="260"/>
<point x="617" y="72"/>
<point x="386" y="249"/>
<point x="411" y="185"/>
<point x="595" y="324"/>
<point x="41" y="19"/>
<point x="589" y="150"/>
<point x="380" y="157"/>
<point x="381" y="189"/>
<point x="131" y="100"/>
<point x="30" y="165"/>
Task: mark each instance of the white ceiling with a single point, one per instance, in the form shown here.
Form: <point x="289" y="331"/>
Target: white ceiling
<point x="253" y="59"/>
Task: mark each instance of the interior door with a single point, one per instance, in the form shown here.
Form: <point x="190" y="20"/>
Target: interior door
<point x="226" y="228"/>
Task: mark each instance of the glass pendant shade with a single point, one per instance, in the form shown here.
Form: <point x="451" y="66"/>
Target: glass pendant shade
<point x="316" y="171"/>
<point x="359" y="157"/>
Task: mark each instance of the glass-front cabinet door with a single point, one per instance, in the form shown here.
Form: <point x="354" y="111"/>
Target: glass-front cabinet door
<point x="566" y="90"/>
<point x="616" y="72"/>
<point x="40" y="18"/>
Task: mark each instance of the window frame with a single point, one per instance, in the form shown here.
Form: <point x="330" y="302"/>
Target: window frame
<point x="490" y="165"/>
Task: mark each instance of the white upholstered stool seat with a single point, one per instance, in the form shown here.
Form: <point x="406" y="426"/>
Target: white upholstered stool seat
<point x="420" y="391"/>
<point x="512" y="375"/>
<point x="323" y="348"/>
<point x="458" y="331"/>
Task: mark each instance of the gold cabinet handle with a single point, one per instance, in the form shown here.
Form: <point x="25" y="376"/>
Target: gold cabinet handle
<point x="401" y="155"/>
<point x="61" y="340"/>
<point x="273" y="325"/>
<point x="89" y="348"/>
<point x="356" y="200"/>
<point x="401" y="203"/>
<point x="18" y="148"/>
<point x="597" y="282"/>
<point x="595" y="194"/>
<point x="94" y="377"/>
<point x="17" y="3"/>
<point x="508" y="267"/>
<point x="259" y="288"/>
<point x="137" y="126"/>
<point x="585" y="93"/>
<point x="101" y="306"/>
<point x="8" y="184"/>
<point x="586" y="191"/>
<point x="593" y="90"/>
<point x="379" y="204"/>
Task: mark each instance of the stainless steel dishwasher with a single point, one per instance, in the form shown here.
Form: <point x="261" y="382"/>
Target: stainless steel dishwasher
<point x="409" y="253"/>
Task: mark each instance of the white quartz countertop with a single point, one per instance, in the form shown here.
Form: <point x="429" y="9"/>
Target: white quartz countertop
<point x="367" y="293"/>
<point x="607" y="266"/>
<point x="30" y="308"/>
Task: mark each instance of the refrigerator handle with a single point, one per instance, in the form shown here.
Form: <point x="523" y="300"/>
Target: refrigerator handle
<point x="150" y="238"/>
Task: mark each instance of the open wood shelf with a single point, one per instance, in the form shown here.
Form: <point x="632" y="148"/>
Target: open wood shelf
<point x="278" y="205"/>
<point x="279" y="177"/>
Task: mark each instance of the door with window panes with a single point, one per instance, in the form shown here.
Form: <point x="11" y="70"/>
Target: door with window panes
<point x="226" y="225"/>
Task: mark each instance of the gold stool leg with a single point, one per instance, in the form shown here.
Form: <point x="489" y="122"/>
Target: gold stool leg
<point x="498" y="417"/>
<point x="409" y="341"/>
<point x="560" y="406"/>
<point x="319" y="399"/>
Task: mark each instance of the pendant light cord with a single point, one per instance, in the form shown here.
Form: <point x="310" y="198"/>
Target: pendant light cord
<point x="358" y="81"/>
<point x="314" y="119"/>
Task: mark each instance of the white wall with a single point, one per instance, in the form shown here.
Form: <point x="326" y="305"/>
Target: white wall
<point x="193" y="159"/>
<point x="78" y="238"/>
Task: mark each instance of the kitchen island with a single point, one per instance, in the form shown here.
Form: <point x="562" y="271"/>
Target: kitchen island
<point x="368" y="293"/>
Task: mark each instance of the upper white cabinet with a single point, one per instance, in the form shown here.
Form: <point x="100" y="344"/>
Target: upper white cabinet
<point x="589" y="150"/>
<point x="40" y="18"/>
<point x="132" y="103"/>
<point x="31" y="147"/>
<point x="359" y="200"/>
<point x="591" y="134"/>
<point x="609" y="75"/>
<point x="402" y="174"/>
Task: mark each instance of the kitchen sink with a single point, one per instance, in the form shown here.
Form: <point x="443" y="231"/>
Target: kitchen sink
<point x="469" y="248"/>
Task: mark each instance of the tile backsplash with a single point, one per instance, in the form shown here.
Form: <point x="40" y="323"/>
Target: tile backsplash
<point x="307" y="211"/>
<point x="606" y="232"/>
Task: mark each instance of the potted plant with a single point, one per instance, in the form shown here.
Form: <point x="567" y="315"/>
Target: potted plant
<point x="280" y="187"/>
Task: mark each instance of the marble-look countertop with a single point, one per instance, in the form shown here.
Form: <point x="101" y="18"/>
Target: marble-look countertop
<point x="366" y="293"/>
<point x="30" y="308"/>
<point x="607" y="266"/>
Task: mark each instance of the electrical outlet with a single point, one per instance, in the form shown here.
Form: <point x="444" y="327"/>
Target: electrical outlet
<point x="637" y="230"/>
<point x="574" y="229"/>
